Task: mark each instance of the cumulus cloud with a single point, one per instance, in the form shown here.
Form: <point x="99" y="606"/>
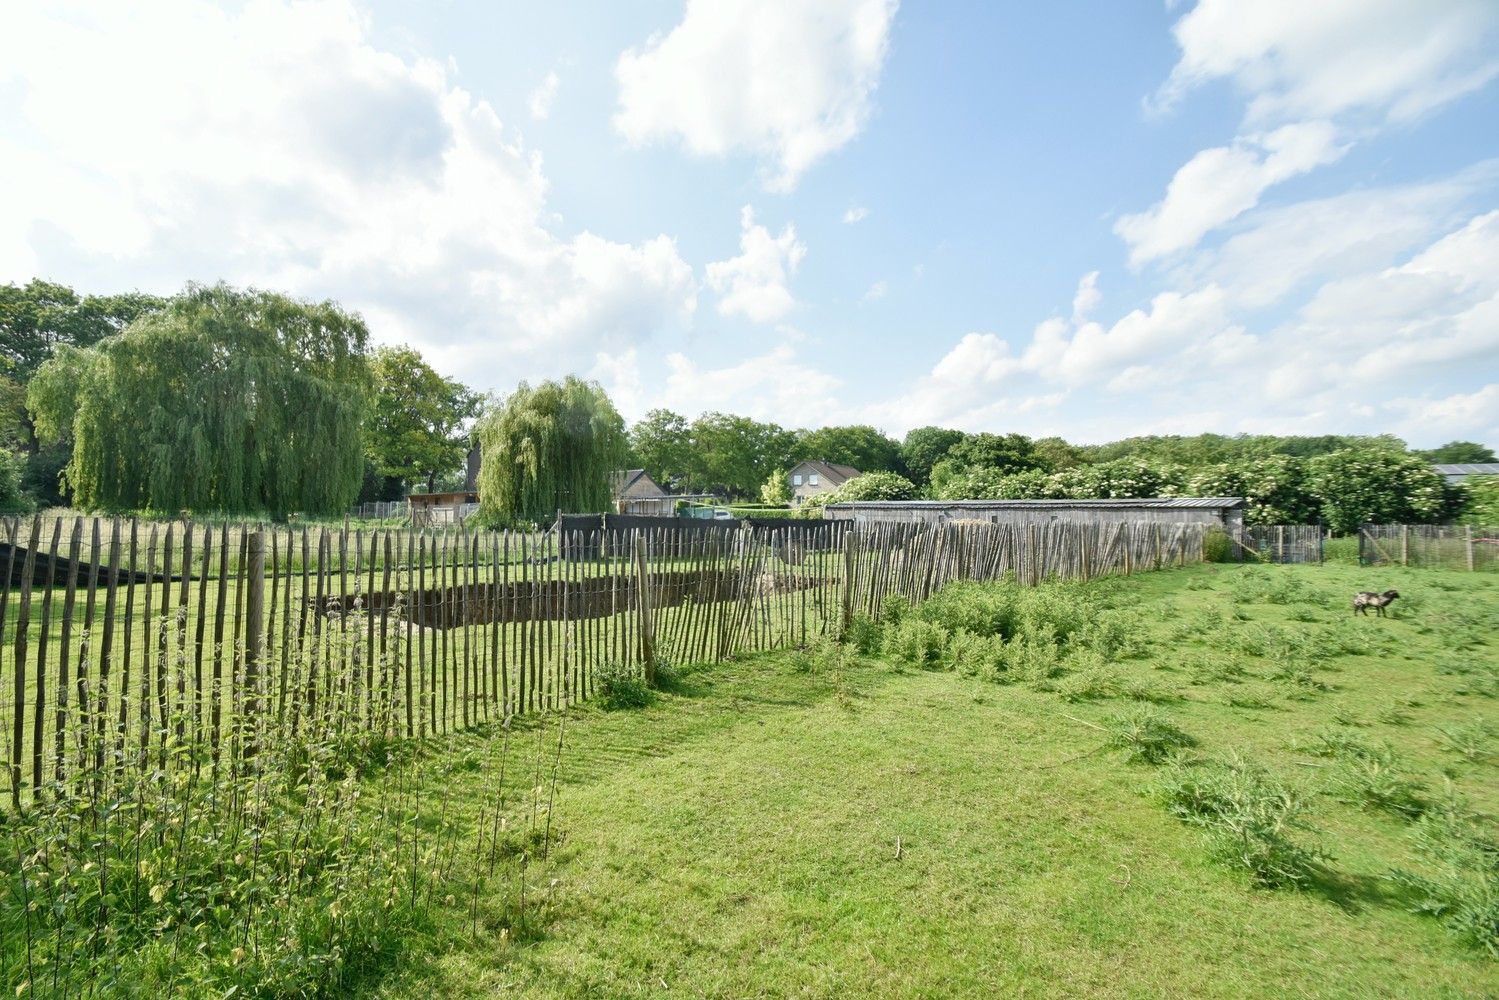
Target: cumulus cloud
<point x="1346" y="359"/>
<point x="274" y="143"/>
<point x="876" y="291"/>
<point x="1295" y="246"/>
<point x="540" y="101"/>
<point x="755" y="283"/>
<point x="855" y="213"/>
<point x="786" y="81"/>
<point x="1220" y="184"/>
<point x="1315" y="77"/>
<point x="1462" y="414"/>
<point x="1388" y="59"/>
<point x="1087" y="297"/>
<point x="774" y="386"/>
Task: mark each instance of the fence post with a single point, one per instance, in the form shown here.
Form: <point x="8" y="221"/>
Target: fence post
<point x="647" y="628"/>
<point x="1468" y="533"/>
<point x="1405" y="544"/>
<point x="848" y="585"/>
<point x="255" y="621"/>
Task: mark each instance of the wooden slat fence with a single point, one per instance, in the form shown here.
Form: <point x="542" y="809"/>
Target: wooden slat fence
<point x="121" y="640"/>
<point x="1445" y="546"/>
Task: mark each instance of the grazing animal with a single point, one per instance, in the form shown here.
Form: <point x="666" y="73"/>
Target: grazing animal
<point x="1366" y="599"/>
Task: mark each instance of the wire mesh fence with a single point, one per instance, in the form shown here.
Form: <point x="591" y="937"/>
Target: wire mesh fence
<point x="1443" y="546"/>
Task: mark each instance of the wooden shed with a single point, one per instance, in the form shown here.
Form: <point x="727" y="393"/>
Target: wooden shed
<point x="441" y="508"/>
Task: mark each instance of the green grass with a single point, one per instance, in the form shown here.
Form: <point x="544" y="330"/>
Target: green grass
<point x="823" y="824"/>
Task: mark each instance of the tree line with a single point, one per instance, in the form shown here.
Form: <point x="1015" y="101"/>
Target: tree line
<point x="216" y="399"/>
<point x="240" y="400"/>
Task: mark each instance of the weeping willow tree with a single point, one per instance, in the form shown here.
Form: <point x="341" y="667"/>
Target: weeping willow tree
<point x="549" y="448"/>
<point x="227" y="400"/>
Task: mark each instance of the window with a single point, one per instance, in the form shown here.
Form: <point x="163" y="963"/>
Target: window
<point x="796" y="480"/>
<point x="812" y="479"/>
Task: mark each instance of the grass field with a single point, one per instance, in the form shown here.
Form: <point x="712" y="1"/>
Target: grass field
<point x="832" y="825"/>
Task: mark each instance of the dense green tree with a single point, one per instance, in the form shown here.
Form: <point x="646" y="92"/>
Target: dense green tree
<point x="733" y="455"/>
<point x="15" y="423"/>
<point x="924" y="447"/>
<point x="1122" y="478"/>
<point x="1360" y="485"/>
<point x="859" y="445"/>
<point x="995" y="484"/>
<point x="12" y="498"/>
<point x="1006" y="452"/>
<point x="661" y="444"/>
<point x="1481" y="501"/>
<point x="1459" y="452"/>
<point x="776" y="490"/>
<point x="1275" y="486"/>
<point x="416" y="429"/>
<point x="1201" y="450"/>
<point x="226" y="400"/>
<point x="547" y="448"/>
<point x="1056" y="455"/>
<point x="40" y="315"/>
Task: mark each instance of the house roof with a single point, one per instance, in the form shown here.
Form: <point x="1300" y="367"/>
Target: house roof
<point x="1212" y="503"/>
<point x="621" y="480"/>
<point x="1465" y="469"/>
<point x="831" y="473"/>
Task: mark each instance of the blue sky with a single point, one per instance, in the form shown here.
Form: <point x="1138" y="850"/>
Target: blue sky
<point x="1088" y="219"/>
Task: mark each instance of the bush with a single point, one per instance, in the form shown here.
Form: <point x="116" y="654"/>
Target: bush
<point x="973" y="607"/>
<point x="622" y="687"/>
<point x="864" y="634"/>
<point x="871" y="486"/>
<point x="1249" y="815"/>
<point x="976" y="655"/>
<point x="1217" y="547"/>
<point x="1461" y="886"/>
<point x="917" y="642"/>
<point x="1374" y="779"/>
<point x="1146" y="736"/>
<point x="1358" y="485"/>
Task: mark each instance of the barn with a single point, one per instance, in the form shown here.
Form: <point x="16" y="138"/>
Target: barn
<point x="1225" y="512"/>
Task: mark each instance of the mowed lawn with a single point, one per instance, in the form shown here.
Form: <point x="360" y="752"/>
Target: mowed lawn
<point x="867" y="829"/>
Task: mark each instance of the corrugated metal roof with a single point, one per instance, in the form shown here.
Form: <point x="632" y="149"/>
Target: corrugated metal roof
<point x="1210" y="503"/>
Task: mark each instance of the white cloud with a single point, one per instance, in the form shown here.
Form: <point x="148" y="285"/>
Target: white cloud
<point x="1220" y="184"/>
<point x="1087" y="297"/>
<point x="1315" y="77"/>
<point x="774" y="386"/>
<point x="1291" y="247"/>
<point x="855" y="213"/>
<point x="754" y="284"/>
<point x="787" y="81"/>
<point x="876" y="291"/>
<point x="541" y="99"/>
<point x="303" y="157"/>
<point x="1461" y="415"/>
<point x="1393" y="59"/>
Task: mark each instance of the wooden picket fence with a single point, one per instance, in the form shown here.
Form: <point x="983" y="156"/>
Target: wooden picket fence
<point x="125" y="639"/>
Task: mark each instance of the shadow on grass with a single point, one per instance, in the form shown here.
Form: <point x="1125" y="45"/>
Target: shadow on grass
<point x="1353" y="893"/>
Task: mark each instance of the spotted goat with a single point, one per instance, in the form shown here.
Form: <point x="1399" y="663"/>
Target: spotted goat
<point x="1366" y="599"/>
